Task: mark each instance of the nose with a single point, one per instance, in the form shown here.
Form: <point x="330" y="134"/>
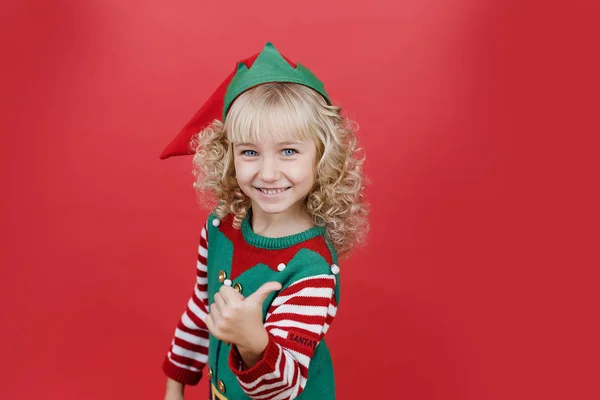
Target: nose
<point x="269" y="170"/>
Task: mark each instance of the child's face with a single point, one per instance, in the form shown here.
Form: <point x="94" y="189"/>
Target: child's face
<point x="276" y="176"/>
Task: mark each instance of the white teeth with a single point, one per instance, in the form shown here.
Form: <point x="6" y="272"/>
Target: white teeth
<point x="272" y="191"/>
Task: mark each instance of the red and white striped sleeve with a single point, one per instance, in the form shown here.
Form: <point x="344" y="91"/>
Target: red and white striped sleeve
<point x="296" y="322"/>
<point x="188" y="353"/>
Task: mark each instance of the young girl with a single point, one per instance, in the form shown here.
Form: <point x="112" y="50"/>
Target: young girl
<point x="282" y="165"/>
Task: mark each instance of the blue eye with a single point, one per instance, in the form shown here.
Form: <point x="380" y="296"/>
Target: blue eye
<point x="289" y="152"/>
<point x="249" y="153"/>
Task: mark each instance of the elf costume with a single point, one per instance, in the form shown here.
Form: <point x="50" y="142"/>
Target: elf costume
<point x="296" y="362"/>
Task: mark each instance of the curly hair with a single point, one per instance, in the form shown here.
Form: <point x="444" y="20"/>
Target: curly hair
<point x="270" y="111"/>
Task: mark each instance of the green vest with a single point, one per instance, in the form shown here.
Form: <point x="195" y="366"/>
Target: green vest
<point x="305" y="263"/>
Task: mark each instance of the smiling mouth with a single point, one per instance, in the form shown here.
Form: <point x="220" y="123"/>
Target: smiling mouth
<point x="274" y="190"/>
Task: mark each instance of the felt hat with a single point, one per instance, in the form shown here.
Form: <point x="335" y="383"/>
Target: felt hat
<point x="265" y="67"/>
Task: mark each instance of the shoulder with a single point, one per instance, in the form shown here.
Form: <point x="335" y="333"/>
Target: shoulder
<point x="213" y="222"/>
<point x="317" y="250"/>
<point x="315" y="258"/>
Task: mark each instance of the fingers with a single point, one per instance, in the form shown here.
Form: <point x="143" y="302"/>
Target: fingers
<point x="219" y="303"/>
<point x="210" y="324"/>
<point x="231" y="296"/>
<point x="214" y="321"/>
<point x="216" y="310"/>
<point x="263" y="292"/>
<point x="224" y="300"/>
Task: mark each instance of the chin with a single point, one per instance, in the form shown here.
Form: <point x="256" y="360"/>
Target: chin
<point x="272" y="208"/>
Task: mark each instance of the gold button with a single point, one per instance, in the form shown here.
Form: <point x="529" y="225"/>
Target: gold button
<point x="210" y="373"/>
<point x="221" y="386"/>
<point x="222" y="276"/>
<point x="238" y="287"/>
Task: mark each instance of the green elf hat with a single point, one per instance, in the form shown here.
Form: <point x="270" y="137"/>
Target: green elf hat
<point x="265" y="67"/>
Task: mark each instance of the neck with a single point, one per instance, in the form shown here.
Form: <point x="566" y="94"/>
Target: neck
<point x="290" y="222"/>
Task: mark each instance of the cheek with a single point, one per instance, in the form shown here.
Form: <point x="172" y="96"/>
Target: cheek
<point x="303" y="175"/>
<point x="244" y="172"/>
<point x="241" y="172"/>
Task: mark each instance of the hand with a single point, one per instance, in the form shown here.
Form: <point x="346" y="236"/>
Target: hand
<point x="174" y="390"/>
<point x="173" y="396"/>
<point x="239" y="320"/>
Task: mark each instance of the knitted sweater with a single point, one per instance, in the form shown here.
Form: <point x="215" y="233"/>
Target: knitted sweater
<point x="296" y="361"/>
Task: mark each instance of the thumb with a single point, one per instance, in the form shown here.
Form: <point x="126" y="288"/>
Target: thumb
<point x="262" y="292"/>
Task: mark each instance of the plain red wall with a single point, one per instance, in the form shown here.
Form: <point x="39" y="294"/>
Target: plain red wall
<point x="475" y="283"/>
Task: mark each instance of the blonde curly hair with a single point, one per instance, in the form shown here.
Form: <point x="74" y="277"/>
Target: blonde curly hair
<point x="270" y="111"/>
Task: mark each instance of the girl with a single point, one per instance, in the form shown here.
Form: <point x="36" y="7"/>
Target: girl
<point x="282" y="164"/>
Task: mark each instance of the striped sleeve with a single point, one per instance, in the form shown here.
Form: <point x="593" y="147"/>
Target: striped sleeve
<point x="296" y="322"/>
<point x="189" y="348"/>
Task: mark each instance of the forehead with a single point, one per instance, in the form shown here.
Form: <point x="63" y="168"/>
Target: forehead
<point x="268" y="130"/>
<point x="258" y="120"/>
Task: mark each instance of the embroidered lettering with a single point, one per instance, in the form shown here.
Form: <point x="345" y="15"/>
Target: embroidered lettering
<point x="304" y="341"/>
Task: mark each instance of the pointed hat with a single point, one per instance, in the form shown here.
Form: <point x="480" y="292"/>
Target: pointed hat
<point x="265" y="67"/>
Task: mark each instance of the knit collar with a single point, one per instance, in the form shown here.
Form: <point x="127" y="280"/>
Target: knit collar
<point x="268" y="243"/>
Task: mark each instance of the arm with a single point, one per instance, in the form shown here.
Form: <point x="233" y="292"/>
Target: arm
<point x="189" y="348"/>
<point x="296" y="322"/>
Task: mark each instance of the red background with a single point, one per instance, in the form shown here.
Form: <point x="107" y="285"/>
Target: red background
<point x="476" y="117"/>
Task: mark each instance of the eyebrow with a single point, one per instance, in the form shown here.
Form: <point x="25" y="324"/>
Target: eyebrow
<point x="280" y="144"/>
<point x="288" y="143"/>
